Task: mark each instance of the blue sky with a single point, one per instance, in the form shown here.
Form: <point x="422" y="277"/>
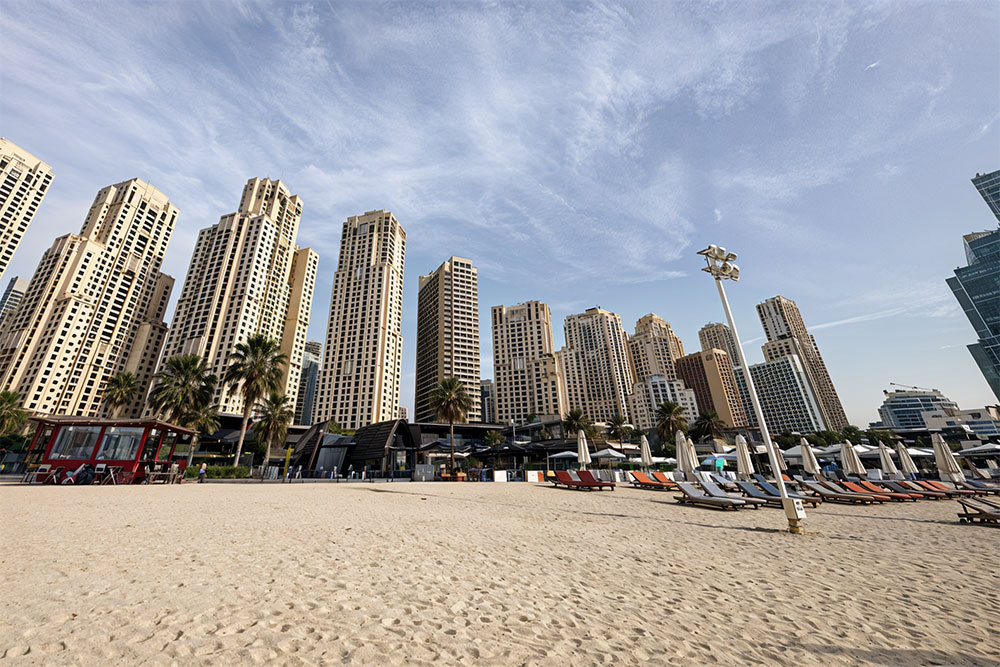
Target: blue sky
<point x="578" y="153"/>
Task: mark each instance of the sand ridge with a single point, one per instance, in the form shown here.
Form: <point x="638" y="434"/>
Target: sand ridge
<point x="482" y="573"/>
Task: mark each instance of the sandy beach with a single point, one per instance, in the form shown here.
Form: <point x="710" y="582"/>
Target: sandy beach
<point x="482" y="573"/>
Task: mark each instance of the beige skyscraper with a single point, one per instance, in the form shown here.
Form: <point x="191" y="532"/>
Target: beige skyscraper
<point x="94" y="307"/>
<point x="718" y="336"/>
<point x="359" y="382"/>
<point x="247" y="277"/>
<point x="448" y="335"/>
<point x="710" y="375"/>
<point x="24" y="180"/>
<point x="596" y="365"/>
<point x="787" y="335"/>
<point x="526" y="371"/>
<point x="654" y="348"/>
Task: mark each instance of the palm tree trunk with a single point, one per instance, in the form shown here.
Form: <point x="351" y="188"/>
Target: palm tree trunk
<point x="243" y="434"/>
<point x="267" y="457"/>
<point x="451" y="428"/>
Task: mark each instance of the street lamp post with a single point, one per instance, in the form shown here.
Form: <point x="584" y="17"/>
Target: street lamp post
<point x="721" y="268"/>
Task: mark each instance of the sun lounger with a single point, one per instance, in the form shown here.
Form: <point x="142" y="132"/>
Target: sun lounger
<point x="839" y="497"/>
<point x="773" y="499"/>
<point x="974" y="510"/>
<point x="865" y="486"/>
<point x="712" y="489"/>
<point x="641" y="480"/>
<point x="838" y="488"/>
<point x="973" y="485"/>
<point x="692" y="496"/>
<point x="563" y="477"/>
<point x="587" y="477"/>
<point x="772" y="490"/>
<point x="892" y="485"/>
<point x="935" y="485"/>
<point x="724" y="482"/>
<point x="663" y="479"/>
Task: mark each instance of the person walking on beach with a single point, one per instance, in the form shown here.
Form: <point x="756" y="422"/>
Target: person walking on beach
<point x="202" y="472"/>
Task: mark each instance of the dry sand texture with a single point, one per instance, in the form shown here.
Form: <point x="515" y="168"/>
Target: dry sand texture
<point x="482" y="573"/>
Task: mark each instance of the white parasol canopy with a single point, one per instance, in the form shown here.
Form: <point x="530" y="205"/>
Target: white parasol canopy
<point x="947" y="466"/>
<point x="582" y="449"/>
<point x="888" y="465"/>
<point x="850" y="461"/>
<point x="905" y="462"/>
<point x="744" y="466"/>
<point x="809" y="461"/>
<point x="645" y="455"/>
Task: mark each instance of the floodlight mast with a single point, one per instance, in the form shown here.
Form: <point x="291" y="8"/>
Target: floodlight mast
<point x="721" y="268"/>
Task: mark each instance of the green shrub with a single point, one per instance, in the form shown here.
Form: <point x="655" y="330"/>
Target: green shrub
<point x="219" y="472"/>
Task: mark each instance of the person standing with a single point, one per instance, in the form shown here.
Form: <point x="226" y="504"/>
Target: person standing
<point x="202" y="471"/>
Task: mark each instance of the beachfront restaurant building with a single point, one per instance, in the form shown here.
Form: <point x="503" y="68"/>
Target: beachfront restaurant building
<point x="127" y="449"/>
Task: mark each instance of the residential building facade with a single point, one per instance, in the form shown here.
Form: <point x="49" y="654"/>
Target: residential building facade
<point x="786" y="397"/>
<point x="305" y="400"/>
<point x="710" y="374"/>
<point x="648" y="395"/>
<point x="247" y="277"/>
<point x="487" y="402"/>
<point x="94" y="307"/>
<point x="718" y="336"/>
<point x="787" y="335"/>
<point x="903" y="409"/>
<point x="12" y="296"/>
<point x="654" y="348"/>
<point x="527" y="375"/>
<point x="24" y="182"/>
<point x="362" y="357"/>
<point x="448" y="335"/>
<point x="596" y="366"/>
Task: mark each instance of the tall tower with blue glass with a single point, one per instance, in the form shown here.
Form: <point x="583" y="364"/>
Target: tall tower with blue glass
<point x="977" y="286"/>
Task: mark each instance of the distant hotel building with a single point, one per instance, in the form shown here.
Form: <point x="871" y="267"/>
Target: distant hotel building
<point x="247" y="277"/>
<point x="977" y="286"/>
<point x="595" y="365"/>
<point x="716" y="335"/>
<point x="903" y="410"/>
<point x="359" y="382"/>
<point x="487" y="402"/>
<point x="526" y="369"/>
<point x="305" y="401"/>
<point x="448" y="335"/>
<point x="24" y="180"/>
<point x="710" y="375"/>
<point x="12" y="296"/>
<point x="654" y="348"/>
<point x="647" y="396"/>
<point x="787" y="335"/>
<point x="94" y="307"/>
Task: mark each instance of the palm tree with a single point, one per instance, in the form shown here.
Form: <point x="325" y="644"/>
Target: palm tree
<point x="118" y="392"/>
<point x="12" y="417"/>
<point x="494" y="438"/>
<point x="203" y="418"/>
<point x="451" y="403"/>
<point x="272" y="425"/>
<point x="617" y="428"/>
<point x="255" y="368"/>
<point x="574" y="422"/>
<point x="709" y="425"/>
<point x="183" y="385"/>
<point x="669" y="420"/>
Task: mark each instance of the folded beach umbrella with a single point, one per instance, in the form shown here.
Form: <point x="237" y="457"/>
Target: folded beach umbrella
<point x="850" y="461"/>
<point x="905" y="462"/>
<point x="946" y="464"/>
<point x="645" y="456"/>
<point x="888" y="465"/>
<point x="809" y="461"/>
<point x="744" y="466"/>
<point x="583" y="451"/>
<point x="687" y="461"/>
<point x="780" y="457"/>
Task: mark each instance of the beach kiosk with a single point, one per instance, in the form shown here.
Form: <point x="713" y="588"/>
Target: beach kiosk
<point x="122" y="451"/>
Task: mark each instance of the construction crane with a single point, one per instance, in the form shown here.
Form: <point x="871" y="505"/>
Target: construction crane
<point x="910" y="386"/>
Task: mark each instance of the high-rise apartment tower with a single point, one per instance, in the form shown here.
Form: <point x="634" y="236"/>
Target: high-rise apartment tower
<point x="305" y="401"/>
<point x="654" y="349"/>
<point x="596" y="365"/>
<point x="94" y="307"/>
<point x="247" y="277"/>
<point x="359" y="382"/>
<point x="448" y="335"/>
<point x="24" y="180"/>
